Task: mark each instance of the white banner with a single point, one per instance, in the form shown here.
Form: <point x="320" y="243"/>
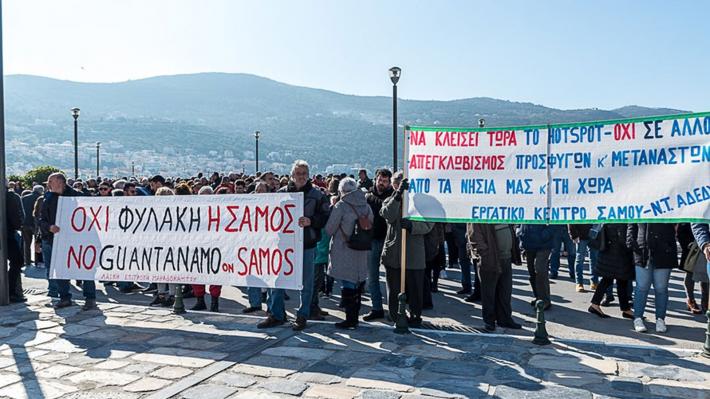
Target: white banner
<point x="654" y="169"/>
<point x="244" y="240"/>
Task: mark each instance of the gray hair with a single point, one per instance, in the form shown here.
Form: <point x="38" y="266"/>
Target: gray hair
<point x="206" y="190"/>
<point x="58" y="175"/>
<point x="299" y="164"/>
<point x="38" y="189"/>
<point x="347" y="185"/>
<point x="119" y="184"/>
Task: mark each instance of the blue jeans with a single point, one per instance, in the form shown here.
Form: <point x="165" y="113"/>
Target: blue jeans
<point x="373" y="276"/>
<point x="555" y="256"/>
<point x="47" y="257"/>
<point x="644" y="277"/>
<point x="88" y="288"/>
<point x="349" y="284"/>
<point x="277" y="307"/>
<point x="254" y="294"/>
<point x="581" y="253"/>
<point x="464" y="261"/>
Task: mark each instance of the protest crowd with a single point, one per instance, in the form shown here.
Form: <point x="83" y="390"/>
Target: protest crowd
<point x="352" y="228"/>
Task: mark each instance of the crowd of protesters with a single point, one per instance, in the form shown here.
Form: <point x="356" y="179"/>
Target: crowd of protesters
<point x="353" y="230"/>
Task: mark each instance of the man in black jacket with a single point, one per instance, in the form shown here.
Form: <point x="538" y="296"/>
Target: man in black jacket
<point x="14" y="216"/>
<point x="375" y="197"/>
<point x="315" y="215"/>
<point x="57" y="186"/>
<point x="28" y="222"/>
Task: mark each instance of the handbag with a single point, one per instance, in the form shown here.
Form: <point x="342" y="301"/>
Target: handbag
<point x="361" y="237"/>
<point x="694" y="253"/>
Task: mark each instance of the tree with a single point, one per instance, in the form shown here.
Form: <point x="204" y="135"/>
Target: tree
<point x="39" y="175"/>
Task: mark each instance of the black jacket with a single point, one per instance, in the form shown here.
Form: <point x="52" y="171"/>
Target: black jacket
<point x="653" y="243"/>
<point x="315" y="207"/>
<point x="615" y="260"/>
<point x="28" y="205"/>
<point x="375" y="200"/>
<point x="48" y="213"/>
<point x="580" y="231"/>
<point x="14" y="212"/>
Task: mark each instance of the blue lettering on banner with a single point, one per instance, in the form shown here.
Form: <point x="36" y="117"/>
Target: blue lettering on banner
<point x="497" y="213"/>
<point x="595" y="185"/>
<point x="444" y="186"/>
<point x="478" y="186"/>
<point x="565" y="160"/>
<point x="692" y="197"/>
<point x="518" y="186"/>
<point x="619" y="212"/>
<point x="661" y="156"/>
<point x="560" y="213"/>
<point x="697" y="127"/>
<point x="419" y="186"/>
<point x="576" y="134"/>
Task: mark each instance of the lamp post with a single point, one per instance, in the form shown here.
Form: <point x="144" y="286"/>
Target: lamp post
<point x="133" y="169"/>
<point x="98" y="157"/>
<point x="4" y="291"/>
<point x="395" y="73"/>
<point x="256" y="136"/>
<point x="481" y="123"/>
<point x="75" y="114"/>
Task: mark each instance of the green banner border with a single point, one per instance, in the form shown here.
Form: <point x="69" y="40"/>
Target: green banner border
<point x="576" y="124"/>
<point x="587" y="221"/>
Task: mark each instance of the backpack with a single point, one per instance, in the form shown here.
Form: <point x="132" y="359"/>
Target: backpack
<point x="361" y="237"/>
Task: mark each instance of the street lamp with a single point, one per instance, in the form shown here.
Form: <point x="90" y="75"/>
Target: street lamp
<point x="256" y="136"/>
<point x="481" y="123"/>
<point x="395" y="73"/>
<point x="75" y="114"/>
<point x="133" y="169"/>
<point x="98" y="146"/>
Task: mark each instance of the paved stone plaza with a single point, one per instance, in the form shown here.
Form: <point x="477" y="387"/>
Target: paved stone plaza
<point x="127" y="351"/>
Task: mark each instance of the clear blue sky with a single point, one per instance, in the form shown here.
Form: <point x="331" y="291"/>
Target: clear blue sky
<point x="566" y="54"/>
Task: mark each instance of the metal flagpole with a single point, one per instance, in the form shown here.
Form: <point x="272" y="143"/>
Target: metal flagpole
<point x="4" y="283"/>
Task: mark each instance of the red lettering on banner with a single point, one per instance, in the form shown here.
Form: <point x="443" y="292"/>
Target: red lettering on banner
<point x="83" y="219"/>
<point x="502" y="138"/>
<point x="80" y="258"/>
<point x="231" y="209"/>
<point x="288" y="261"/>
<point x="106" y="219"/>
<point x="287" y="208"/>
<point x="624" y="131"/>
<point x="95" y="218"/>
<point x="456" y="139"/>
<point x="417" y="138"/>
<point x="246" y="220"/>
<point x="245" y="268"/>
<point x="457" y="162"/>
<point x="214" y="219"/>
<point x="264" y="214"/>
<point x="280" y="212"/>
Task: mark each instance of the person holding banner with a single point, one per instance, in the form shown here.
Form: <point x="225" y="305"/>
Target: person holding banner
<point x="655" y="255"/>
<point x="347" y="263"/>
<point x="165" y="293"/>
<point x="614" y="262"/>
<point x="199" y="289"/>
<point x="315" y="216"/>
<point x="701" y="232"/>
<point x="57" y="186"/>
<point x="392" y="254"/>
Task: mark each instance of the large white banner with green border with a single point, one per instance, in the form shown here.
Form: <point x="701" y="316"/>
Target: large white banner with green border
<point x="652" y="169"/>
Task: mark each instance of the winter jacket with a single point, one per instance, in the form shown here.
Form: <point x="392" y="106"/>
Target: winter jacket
<point x="579" y="231"/>
<point x="392" y="252"/>
<point x="346" y="263"/>
<point x="433" y="241"/>
<point x="322" y="248"/>
<point x="366" y="184"/>
<point x="315" y="207"/>
<point x="48" y="213"/>
<point x="28" y="204"/>
<point x="653" y="244"/>
<point x="701" y="232"/>
<point x="14" y="212"/>
<point x="684" y="235"/>
<point x="615" y="260"/>
<point x="375" y="200"/>
<point x="536" y="237"/>
<point x="482" y="244"/>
